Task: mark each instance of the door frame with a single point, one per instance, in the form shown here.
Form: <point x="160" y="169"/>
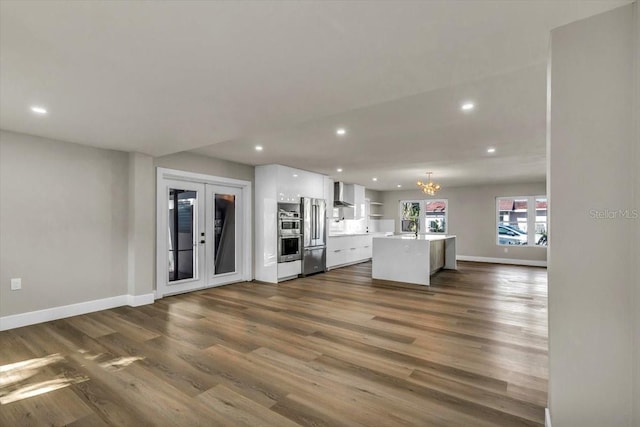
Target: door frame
<point x="163" y="174"/>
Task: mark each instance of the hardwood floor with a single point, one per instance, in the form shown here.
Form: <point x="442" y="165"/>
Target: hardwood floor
<point x="331" y="349"/>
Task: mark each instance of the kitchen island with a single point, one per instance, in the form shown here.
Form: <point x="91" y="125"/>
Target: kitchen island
<point x="412" y="259"/>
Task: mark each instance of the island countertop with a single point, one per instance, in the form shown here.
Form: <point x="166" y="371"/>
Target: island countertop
<point x="373" y="234"/>
<point x="419" y="237"/>
<point x="412" y="259"/>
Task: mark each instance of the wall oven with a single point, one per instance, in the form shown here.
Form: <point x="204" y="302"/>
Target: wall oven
<point x="289" y="232"/>
<point x="289" y="247"/>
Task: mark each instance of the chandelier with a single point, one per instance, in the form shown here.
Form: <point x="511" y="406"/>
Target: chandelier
<point x="429" y="187"/>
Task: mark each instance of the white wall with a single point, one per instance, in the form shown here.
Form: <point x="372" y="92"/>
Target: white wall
<point x="63" y="223"/>
<point x="77" y="223"/>
<point x="593" y="274"/>
<point x="472" y="217"/>
<point x="636" y="253"/>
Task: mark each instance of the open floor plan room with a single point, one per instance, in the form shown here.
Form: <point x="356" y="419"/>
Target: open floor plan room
<point x="332" y="349"/>
<point x="320" y="213"/>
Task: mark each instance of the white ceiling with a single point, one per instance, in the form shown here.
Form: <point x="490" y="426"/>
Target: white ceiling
<point x="164" y="77"/>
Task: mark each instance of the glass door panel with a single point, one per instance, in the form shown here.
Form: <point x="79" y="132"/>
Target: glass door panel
<point x="182" y="238"/>
<point x="224" y="233"/>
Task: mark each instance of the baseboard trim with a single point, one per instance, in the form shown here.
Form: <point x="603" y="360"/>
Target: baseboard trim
<point x="360" y="261"/>
<point x="138" y="300"/>
<point x="55" y="313"/>
<point x="532" y="263"/>
<point x="547" y="417"/>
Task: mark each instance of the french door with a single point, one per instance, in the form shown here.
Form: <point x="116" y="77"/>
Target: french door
<point x="185" y="231"/>
<point x="224" y="234"/>
<point x="201" y="236"/>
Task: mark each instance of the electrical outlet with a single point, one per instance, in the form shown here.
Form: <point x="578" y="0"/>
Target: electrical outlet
<point x="16" y="284"/>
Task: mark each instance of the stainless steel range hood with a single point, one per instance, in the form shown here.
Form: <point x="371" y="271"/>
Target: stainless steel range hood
<point x="339" y="196"/>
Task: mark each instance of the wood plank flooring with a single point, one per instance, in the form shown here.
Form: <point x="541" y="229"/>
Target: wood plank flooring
<point x="335" y="349"/>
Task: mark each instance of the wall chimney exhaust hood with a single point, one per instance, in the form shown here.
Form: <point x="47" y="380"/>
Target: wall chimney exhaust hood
<point x="339" y="196"/>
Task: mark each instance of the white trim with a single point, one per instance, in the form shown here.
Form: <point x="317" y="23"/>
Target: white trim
<point x="360" y="261"/>
<point x="547" y="417"/>
<point x="530" y="262"/>
<point x="55" y="313"/>
<point x="138" y="300"/>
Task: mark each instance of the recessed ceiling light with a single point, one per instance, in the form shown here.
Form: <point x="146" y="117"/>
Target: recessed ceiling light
<point x="39" y="110"/>
<point x="399" y="185"/>
<point x="259" y="148"/>
<point x="491" y="150"/>
<point x="341" y="131"/>
<point x="374" y="179"/>
<point x="339" y="170"/>
<point x="467" y="106"/>
<point x="295" y="175"/>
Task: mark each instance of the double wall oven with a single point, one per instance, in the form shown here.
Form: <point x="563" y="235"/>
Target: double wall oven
<point x="289" y="232"/>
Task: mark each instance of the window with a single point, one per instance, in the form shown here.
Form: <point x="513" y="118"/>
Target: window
<point x="410" y="213"/>
<point x="541" y="221"/>
<point x="428" y="216"/>
<point x="522" y="220"/>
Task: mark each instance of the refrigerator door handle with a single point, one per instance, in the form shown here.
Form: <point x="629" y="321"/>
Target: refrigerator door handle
<point x="316" y="223"/>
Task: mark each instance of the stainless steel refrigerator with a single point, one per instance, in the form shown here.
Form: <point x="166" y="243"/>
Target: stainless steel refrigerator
<point x="314" y="235"/>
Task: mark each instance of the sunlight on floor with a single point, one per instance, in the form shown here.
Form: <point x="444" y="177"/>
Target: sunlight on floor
<point x="19" y="380"/>
<point x="119" y="363"/>
<point x="36" y="389"/>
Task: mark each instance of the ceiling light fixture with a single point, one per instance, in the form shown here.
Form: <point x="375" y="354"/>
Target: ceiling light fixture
<point x="428" y="187"/>
<point x="491" y="150"/>
<point x="467" y="106"/>
<point x="259" y="148"/>
<point x="399" y="185"/>
<point x="39" y="110"/>
<point x="374" y="179"/>
<point x="341" y="131"/>
<point x="339" y="170"/>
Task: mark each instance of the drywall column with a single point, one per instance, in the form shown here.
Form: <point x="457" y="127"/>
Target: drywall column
<point x="636" y="255"/>
<point x="591" y="178"/>
<point x="141" y="229"/>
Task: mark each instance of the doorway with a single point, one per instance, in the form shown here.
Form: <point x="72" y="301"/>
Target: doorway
<point x="203" y="232"/>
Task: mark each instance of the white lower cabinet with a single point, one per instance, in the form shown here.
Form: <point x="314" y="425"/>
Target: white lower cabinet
<point x="289" y="270"/>
<point x="345" y="250"/>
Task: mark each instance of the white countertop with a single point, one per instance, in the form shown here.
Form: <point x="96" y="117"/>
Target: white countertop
<point x="419" y="237"/>
<point x="381" y="234"/>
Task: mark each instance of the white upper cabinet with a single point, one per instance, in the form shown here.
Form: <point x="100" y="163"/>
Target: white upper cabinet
<point x="328" y="190"/>
<point x="295" y="183"/>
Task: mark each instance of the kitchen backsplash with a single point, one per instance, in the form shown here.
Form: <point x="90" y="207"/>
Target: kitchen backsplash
<point x="357" y="226"/>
